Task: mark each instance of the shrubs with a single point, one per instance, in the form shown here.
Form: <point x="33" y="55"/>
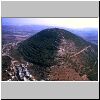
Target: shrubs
<point x="41" y="50"/>
<point x="6" y="62"/>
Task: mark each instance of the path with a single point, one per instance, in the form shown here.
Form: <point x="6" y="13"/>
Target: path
<point x="81" y="51"/>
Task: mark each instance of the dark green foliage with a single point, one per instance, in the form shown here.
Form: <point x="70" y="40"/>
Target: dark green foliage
<point x="41" y="49"/>
<point x="6" y="62"/>
<point x="91" y="65"/>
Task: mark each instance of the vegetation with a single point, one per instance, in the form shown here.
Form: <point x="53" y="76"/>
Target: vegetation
<point x="41" y="49"/>
<point x="6" y="62"/>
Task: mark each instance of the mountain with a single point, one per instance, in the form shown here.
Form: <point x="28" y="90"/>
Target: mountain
<point x="89" y="34"/>
<point x="58" y="54"/>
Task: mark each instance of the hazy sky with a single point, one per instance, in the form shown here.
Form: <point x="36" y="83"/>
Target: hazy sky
<point x="62" y="22"/>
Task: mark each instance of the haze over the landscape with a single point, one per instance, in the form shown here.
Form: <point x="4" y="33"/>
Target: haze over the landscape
<point x="50" y="49"/>
<point x="62" y="22"/>
<point x="87" y="28"/>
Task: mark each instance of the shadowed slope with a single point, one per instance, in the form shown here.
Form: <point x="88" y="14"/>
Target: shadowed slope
<point x="58" y="47"/>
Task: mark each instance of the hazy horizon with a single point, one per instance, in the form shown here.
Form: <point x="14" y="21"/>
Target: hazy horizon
<point x="54" y="22"/>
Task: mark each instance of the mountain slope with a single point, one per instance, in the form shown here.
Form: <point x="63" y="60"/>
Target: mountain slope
<point x="58" y="48"/>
